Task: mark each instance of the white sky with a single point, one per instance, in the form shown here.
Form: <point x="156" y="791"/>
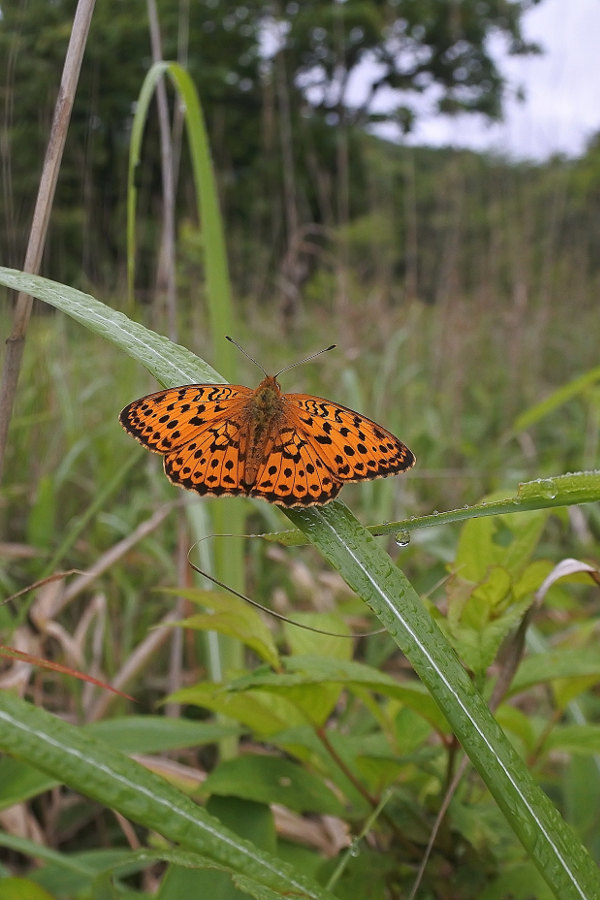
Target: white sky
<point x="562" y="87"/>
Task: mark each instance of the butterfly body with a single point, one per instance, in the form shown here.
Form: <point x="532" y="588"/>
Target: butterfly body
<point x="290" y="449"/>
<point x="263" y="415"/>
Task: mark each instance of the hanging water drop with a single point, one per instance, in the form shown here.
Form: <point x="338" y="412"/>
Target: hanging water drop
<point x="402" y="538"/>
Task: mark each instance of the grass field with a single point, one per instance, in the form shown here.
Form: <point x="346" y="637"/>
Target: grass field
<point x="365" y="746"/>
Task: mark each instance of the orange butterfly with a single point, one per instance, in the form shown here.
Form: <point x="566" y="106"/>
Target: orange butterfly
<point x="292" y="449"/>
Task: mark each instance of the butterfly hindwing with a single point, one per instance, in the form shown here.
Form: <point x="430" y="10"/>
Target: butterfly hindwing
<point x="351" y="446"/>
<point x="294" y="473"/>
<point x="211" y="463"/>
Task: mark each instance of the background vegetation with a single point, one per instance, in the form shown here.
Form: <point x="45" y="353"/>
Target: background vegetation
<point x="461" y="290"/>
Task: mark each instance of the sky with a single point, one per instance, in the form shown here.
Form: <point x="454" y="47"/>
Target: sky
<point x="562" y="87"/>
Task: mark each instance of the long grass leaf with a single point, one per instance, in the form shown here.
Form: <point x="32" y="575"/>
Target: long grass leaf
<point x="96" y="770"/>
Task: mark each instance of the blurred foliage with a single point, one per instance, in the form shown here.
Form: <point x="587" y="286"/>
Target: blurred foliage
<point x="273" y="80"/>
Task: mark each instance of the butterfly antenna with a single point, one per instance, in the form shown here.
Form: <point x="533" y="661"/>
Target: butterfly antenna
<point x="306" y="359"/>
<point x="247" y="355"/>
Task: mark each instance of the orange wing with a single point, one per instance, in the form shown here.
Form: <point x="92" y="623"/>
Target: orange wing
<point x="352" y="447"/>
<point x="294" y="472"/>
<point x="198" y="429"/>
<point x="202" y="432"/>
<point x="320" y="446"/>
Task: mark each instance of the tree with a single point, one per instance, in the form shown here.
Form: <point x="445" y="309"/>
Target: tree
<point x="403" y="46"/>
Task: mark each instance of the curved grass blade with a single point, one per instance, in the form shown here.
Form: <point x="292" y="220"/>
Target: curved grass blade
<point x="96" y="770"/>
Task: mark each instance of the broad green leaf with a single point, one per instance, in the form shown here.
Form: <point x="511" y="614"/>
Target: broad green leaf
<point x="518" y="724"/>
<point x="156" y="734"/>
<point x="303" y="642"/>
<point x="270" y="779"/>
<point x="303" y="678"/>
<point x="232" y="616"/>
<point x="263" y="713"/>
<point x="503" y="541"/>
<point x="22" y="889"/>
<point x="578" y="739"/>
<point x="564" y="663"/>
<point x="519" y="882"/>
<point x="493" y="586"/>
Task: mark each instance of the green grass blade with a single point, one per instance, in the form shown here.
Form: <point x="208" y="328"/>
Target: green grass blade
<point x="558" y="398"/>
<point x="96" y="770"/>
<point x="218" y="289"/>
<point x="171" y="364"/>
<point x="542" y="493"/>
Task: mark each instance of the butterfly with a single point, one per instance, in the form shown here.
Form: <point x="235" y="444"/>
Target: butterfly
<point x="288" y="449"/>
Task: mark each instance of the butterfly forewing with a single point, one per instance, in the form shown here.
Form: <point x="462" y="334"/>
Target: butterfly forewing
<point x="352" y="447"/>
<point x="171" y="418"/>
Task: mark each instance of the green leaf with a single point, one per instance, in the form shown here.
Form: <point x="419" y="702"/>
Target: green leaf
<point x="302" y="641"/>
<point x="171" y="364"/>
<point x="218" y="288"/>
<point x="502" y="541"/>
<point x="579" y="739"/>
<point x="232" y="616"/>
<point x="22" y="889"/>
<point x="563" y="395"/>
<point x="542" y="493"/>
<point x="262" y="713"/>
<point x="493" y="586"/>
<point x="519" y="882"/>
<point x="270" y="779"/>
<point x="157" y="734"/>
<point x="130" y="734"/>
<point x="566" y="663"/>
<point x="301" y="673"/>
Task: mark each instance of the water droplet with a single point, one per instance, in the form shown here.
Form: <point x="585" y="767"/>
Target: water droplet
<point x="354" y="849"/>
<point x="402" y="538"/>
<point x="547" y="488"/>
